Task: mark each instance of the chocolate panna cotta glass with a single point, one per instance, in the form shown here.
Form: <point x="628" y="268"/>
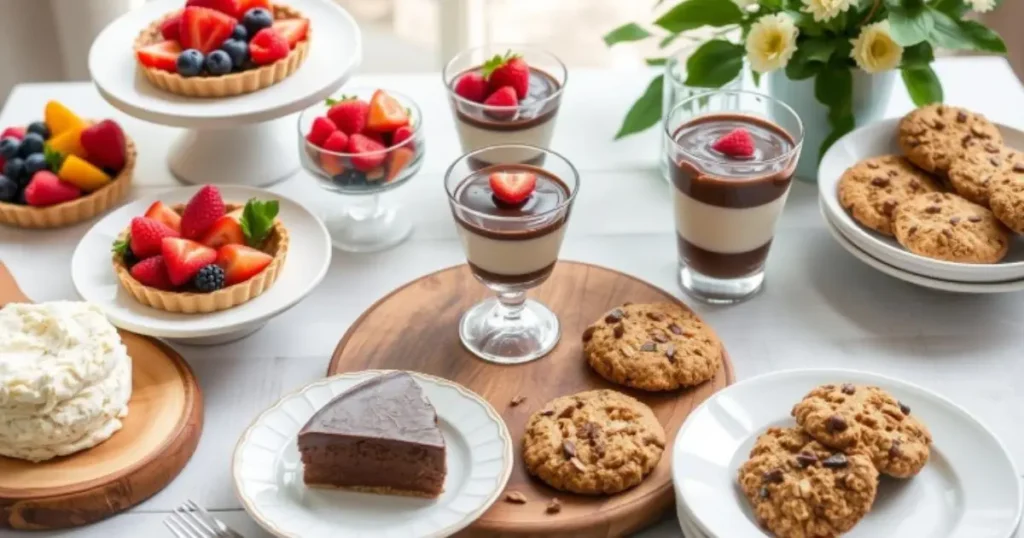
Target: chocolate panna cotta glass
<point x="510" y="248"/>
<point x="531" y="123"/>
<point x="726" y="207"/>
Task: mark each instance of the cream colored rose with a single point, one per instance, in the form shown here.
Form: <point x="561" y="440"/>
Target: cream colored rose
<point x="824" y="10"/>
<point x="771" y="42"/>
<point x="874" y="49"/>
<point x="982" y="6"/>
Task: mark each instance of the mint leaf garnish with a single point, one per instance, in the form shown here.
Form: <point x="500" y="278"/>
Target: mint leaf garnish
<point x="121" y="245"/>
<point x="257" y="220"/>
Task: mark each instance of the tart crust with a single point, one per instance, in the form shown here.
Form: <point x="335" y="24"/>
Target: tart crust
<point x="78" y="210"/>
<point x="226" y="85"/>
<point x="188" y="302"/>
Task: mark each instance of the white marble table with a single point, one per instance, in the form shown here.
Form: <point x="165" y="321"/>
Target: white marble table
<point x="821" y="307"/>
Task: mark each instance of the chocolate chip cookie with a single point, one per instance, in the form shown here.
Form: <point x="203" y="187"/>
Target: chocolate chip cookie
<point x="652" y="347"/>
<point x="947" y="227"/>
<point x="871" y="189"/>
<point x="597" y="442"/>
<point x="1007" y="197"/>
<point x="869" y="420"/>
<point x="971" y="173"/>
<point x="801" y="489"/>
<point x="934" y="135"/>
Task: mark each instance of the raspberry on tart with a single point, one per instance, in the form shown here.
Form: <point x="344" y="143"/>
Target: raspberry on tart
<point x="224" y="255"/>
<point x="222" y="48"/>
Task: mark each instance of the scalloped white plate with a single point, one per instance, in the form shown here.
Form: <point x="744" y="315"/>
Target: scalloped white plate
<point x="268" y="472"/>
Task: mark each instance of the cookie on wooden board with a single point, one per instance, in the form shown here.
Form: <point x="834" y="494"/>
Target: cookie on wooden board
<point x="934" y="135"/>
<point x="945" y="226"/>
<point x="872" y="189"/>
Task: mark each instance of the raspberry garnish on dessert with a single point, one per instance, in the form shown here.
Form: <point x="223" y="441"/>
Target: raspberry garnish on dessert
<point x="737" y="143"/>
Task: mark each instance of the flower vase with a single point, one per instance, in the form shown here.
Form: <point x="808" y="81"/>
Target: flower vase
<point x="871" y="95"/>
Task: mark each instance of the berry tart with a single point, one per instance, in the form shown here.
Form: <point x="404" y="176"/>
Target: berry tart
<point x="62" y="170"/>
<point x="364" y="142"/>
<point x="203" y="256"/>
<point x="221" y="48"/>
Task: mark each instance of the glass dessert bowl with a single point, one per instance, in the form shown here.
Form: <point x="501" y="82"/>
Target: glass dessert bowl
<point x="363" y="144"/>
<point x="511" y="219"/>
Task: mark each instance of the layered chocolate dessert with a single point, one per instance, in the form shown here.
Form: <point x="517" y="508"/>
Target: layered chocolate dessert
<point x="380" y="436"/>
<point x="511" y="222"/>
<point x="731" y="174"/>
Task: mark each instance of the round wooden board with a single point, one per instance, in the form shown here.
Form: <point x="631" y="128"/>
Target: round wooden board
<point x="160" y="433"/>
<point x="415" y="328"/>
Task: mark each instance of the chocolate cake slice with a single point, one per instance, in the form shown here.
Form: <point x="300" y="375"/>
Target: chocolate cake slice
<point x="380" y="436"/>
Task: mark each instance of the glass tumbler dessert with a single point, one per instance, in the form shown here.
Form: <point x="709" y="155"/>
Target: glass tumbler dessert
<point x="731" y="157"/>
<point x="361" y="145"/>
<point x="511" y="219"/>
<point x="505" y="95"/>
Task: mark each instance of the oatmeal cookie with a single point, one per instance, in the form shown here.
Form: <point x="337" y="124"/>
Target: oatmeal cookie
<point x="947" y="227"/>
<point x="869" y="420"/>
<point x="934" y="135"/>
<point x="652" y="347"/>
<point x="801" y="489"/>
<point x="971" y="173"/>
<point x="597" y="442"/>
<point x="872" y="189"/>
<point x="1007" y="197"/>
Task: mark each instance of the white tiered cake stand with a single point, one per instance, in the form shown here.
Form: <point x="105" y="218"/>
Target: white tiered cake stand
<point x="249" y="139"/>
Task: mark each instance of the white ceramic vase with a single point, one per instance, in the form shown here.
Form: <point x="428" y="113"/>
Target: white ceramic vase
<point x="870" y="98"/>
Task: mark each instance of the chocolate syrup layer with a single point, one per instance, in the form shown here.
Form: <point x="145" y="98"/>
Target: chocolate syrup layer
<point x="718" y="265"/>
<point x="496" y="278"/>
<point x="716" y="179"/>
<point x="536" y="108"/>
<point x="475" y="193"/>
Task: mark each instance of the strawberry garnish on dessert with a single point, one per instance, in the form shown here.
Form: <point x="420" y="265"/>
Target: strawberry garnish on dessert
<point x="205" y="29"/>
<point x="226" y="230"/>
<point x="46" y="189"/>
<point x="147" y="235"/>
<point x="162" y="56"/>
<point x="152" y="272"/>
<point x="349" y="114"/>
<point x="104" y="143"/>
<point x="504" y="97"/>
<point x="322" y="128"/>
<point x="400" y="135"/>
<point x="337" y="142"/>
<point x="184" y="258"/>
<point x="267" y="47"/>
<point x="163" y="214"/>
<point x="736" y="143"/>
<point x="386" y="113"/>
<point x="369" y="153"/>
<point x="509" y="70"/>
<point x="17" y="133"/>
<point x="512" y="188"/>
<point x="170" y="29"/>
<point x="246" y="5"/>
<point x="473" y="87"/>
<point x="240" y="263"/>
<point x="292" y="30"/>
<point x="227" y="7"/>
<point x="205" y="207"/>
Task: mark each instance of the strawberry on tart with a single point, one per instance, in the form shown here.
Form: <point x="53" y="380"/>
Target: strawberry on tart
<point x="222" y="48"/>
<point x="203" y="256"/>
<point x="62" y="170"/>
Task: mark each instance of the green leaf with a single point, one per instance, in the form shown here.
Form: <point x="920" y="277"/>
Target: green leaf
<point x="818" y="49"/>
<point x="910" y="26"/>
<point x="54" y="159"/>
<point x="668" y="40"/>
<point x="495" y="62"/>
<point x="646" y="111"/>
<point x="330" y="101"/>
<point x="953" y="8"/>
<point x="257" y="220"/>
<point x="922" y="84"/>
<point x="771" y="5"/>
<point x="983" y="37"/>
<point x="805" y="22"/>
<point x="714" y="64"/>
<point x="625" y="33"/>
<point x="655" y="61"/>
<point x="692" y="14"/>
<point x="919" y="54"/>
<point x="757" y="78"/>
<point x="121" y="245"/>
<point x="801" y="66"/>
<point x="946" y="33"/>
<point x="833" y="87"/>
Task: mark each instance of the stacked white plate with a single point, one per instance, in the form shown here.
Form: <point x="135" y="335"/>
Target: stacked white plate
<point x="884" y="253"/>
<point x="969" y="488"/>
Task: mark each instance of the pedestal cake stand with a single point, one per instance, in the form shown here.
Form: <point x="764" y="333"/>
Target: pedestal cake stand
<point x="248" y="139"/>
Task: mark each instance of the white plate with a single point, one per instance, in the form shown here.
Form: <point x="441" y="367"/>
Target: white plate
<point x="969" y="489"/>
<point x="309" y="255"/>
<point x="268" y="472"/>
<point x="880" y="139"/>
<point x="923" y="281"/>
<point x="689" y="529"/>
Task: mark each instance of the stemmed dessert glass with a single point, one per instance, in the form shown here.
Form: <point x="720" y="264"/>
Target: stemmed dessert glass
<point x="510" y="252"/>
<point x="368" y="224"/>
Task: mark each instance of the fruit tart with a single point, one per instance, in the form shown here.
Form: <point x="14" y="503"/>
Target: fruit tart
<point x="62" y="170"/>
<point x="203" y="256"/>
<point x="221" y="48"/>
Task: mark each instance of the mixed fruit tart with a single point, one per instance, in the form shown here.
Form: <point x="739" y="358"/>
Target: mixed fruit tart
<point x="63" y="169"/>
<point x="364" y="145"/>
<point x="221" y="48"/>
<point x="203" y="256"/>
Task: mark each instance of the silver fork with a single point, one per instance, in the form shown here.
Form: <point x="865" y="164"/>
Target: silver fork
<point x="192" y="521"/>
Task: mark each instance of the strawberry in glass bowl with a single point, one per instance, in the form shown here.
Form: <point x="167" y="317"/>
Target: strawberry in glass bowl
<point x="363" y="143"/>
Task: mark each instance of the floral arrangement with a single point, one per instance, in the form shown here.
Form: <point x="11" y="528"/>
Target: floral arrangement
<point x="822" y="40"/>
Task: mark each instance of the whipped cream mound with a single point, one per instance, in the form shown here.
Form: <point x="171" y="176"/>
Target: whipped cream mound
<point x="65" y="379"/>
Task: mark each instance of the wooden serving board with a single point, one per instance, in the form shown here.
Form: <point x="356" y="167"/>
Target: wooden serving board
<point x="160" y="433"/>
<point x="416" y="328"/>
